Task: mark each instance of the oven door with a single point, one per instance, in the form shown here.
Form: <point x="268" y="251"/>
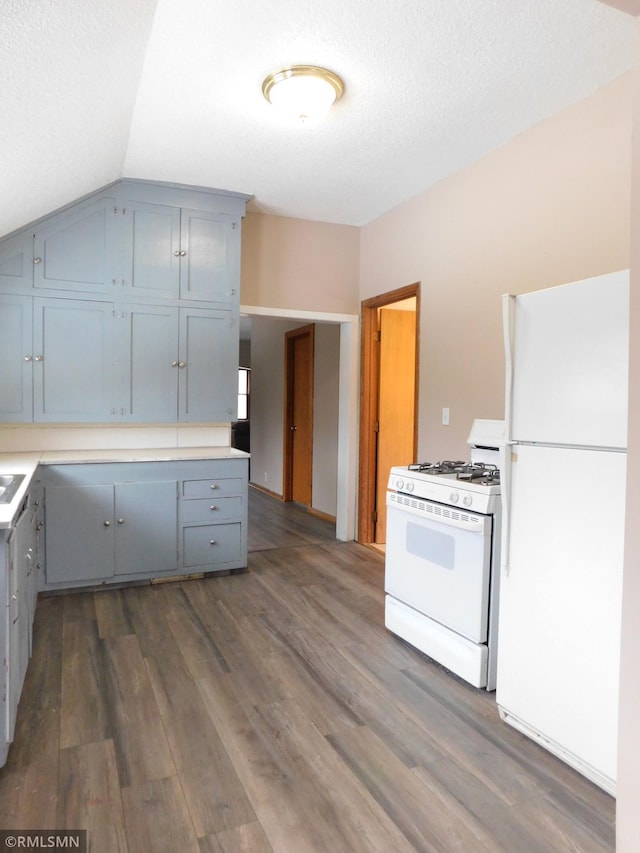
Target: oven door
<point x="438" y="561"/>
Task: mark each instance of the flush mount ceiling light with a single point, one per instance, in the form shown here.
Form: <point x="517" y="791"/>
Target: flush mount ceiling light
<point x="303" y="92"/>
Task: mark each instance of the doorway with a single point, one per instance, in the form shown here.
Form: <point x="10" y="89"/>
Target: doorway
<point x="389" y="400"/>
<point x="298" y="419"/>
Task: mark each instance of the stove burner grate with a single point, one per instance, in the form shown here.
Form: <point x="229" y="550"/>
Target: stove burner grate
<point x="478" y="472"/>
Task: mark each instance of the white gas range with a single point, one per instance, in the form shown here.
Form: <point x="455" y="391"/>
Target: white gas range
<point x="442" y="556"/>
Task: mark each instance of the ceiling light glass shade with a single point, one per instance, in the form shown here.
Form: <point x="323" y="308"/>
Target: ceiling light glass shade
<point x="303" y="92"/>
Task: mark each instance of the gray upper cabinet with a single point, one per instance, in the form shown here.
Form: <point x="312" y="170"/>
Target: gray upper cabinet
<point x="72" y="375"/>
<point x="151" y="250"/>
<point x="123" y="307"/>
<point x="210" y="248"/>
<point x="76" y="249"/>
<point x="175" y="253"/>
<point x="207" y="337"/>
<point x="16" y="358"/>
<point x="16" y="254"/>
<point x="175" y="363"/>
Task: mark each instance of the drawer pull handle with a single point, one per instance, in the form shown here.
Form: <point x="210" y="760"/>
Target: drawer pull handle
<point x="213" y="486"/>
<point x="213" y="506"/>
<point x="212" y="541"/>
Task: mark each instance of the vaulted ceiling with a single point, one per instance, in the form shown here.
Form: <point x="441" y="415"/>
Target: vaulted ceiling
<point x="94" y="90"/>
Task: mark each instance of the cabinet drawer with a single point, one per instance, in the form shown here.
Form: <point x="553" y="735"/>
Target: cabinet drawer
<point x="215" y="486"/>
<point x="209" y="544"/>
<point x="212" y="510"/>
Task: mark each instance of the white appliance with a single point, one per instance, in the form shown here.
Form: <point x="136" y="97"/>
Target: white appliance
<point x="442" y="557"/>
<point x="564" y="477"/>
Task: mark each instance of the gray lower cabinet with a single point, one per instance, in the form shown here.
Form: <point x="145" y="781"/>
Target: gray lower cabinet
<point x="18" y="587"/>
<point x="114" y="522"/>
<point x="99" y="532"/>
<point x="213" y="517"/>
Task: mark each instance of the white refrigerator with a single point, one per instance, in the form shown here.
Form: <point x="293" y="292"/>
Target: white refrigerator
<point x="563" y="493"/>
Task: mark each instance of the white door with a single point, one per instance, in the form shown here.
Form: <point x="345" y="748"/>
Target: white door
<point x="560" y="601"/>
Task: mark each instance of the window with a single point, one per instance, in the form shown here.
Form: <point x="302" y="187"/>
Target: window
<point x="244" y="385"/>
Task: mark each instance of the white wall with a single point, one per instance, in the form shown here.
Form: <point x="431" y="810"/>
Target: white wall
<point x="267" y="408"/>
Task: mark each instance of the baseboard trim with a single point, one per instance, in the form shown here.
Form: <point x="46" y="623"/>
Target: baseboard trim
<point x="265" y="491"/>
<point x="323" y="515"/>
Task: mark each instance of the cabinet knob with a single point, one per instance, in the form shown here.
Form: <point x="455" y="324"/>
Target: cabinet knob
<point x="176" y="254"/>
<point x="107" y="524"/>
<point x="121" y="521"/>
<point x="174" y="364"/>
<point x="213" y="486"/>
<point x="179" y="253"/>
<point x="37" y="260"/>
<point x="28" y="358"/>
<point x="212" y="541"/>
<point x="182" y="364"/>
<point x="212" y="507"/>
<point x="183" y="253"/>
<point x="39" y="358"/>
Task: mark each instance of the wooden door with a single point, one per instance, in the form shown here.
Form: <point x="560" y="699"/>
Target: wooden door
<point x="298" y="441"/>
<point x="396" y="401"/>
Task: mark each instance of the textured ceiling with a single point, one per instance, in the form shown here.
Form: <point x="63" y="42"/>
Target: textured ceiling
<point x="93" y="90"/>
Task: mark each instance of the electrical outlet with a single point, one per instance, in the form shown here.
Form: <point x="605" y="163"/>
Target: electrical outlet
<point x="445" y="417"/>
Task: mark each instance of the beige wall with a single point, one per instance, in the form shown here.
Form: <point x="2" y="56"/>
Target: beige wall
<point x="299" y="265"/>
<point x="628" y="813"/>
<point x="550" y="207"/>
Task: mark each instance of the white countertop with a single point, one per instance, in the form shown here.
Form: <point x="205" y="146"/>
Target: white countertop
<point x="26" y="463"/>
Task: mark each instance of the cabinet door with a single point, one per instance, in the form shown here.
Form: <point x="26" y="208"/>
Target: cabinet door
<point x="146" y="353"/>
<point x="151" y="250"/>
<point x="209" y="352"/>
<point x="79" y="533"/>
<point x="16" y="264"/>
<point x="75" y="250"/>
<point x="146" y="528"/>
<point x="16" y="359"/>
<point x="73" y="363"/>
<point x="210" y="268"/>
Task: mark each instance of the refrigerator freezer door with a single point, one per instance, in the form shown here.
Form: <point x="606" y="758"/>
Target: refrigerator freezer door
<point x="560" y="603"/>
<point x="569" y="357"/>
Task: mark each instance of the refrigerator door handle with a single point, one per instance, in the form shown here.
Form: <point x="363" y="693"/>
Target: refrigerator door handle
<point x="508" y="325"/>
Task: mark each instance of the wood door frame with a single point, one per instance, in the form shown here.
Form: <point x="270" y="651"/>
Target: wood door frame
<point x="369" y="387"/>
<point x="287" y="438"/>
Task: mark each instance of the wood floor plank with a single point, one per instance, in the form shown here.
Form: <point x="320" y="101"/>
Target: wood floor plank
<point x="90" y="796"/>
<point x="141" y="746"/>
<point x="420" y="818"/>
<point x="157" y="818"/>
<point x="113" y="613"/>
<point x="197" y="645"/>
<point x="85" y="716"/>
<point x="215" y="796"/>
<point x="28" y="782"/>
<point x="301" y="805"/>
<point x="249" y="838"/>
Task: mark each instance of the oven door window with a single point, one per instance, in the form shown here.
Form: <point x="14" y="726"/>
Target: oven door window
<point x="441" y="570"/>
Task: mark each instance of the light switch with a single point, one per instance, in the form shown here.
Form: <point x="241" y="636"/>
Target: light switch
<point x="445" y="417"/>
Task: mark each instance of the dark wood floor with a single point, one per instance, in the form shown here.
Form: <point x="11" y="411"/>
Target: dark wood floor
<point x="272" y="711"/>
